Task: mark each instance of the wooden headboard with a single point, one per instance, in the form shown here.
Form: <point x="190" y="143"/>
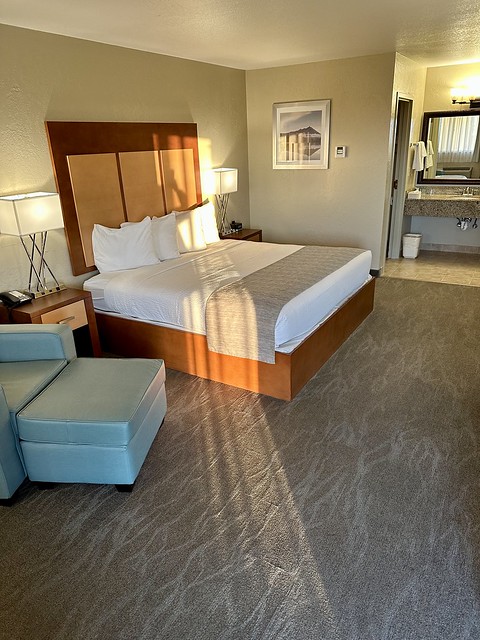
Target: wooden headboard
<point x="111" y="172"/>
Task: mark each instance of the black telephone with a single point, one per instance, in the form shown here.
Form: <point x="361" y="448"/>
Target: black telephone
<point x="14" y="298"/>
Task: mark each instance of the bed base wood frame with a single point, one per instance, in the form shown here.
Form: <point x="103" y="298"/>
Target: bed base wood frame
<point x="150" y="169"/>
<point x="188" y="352"/>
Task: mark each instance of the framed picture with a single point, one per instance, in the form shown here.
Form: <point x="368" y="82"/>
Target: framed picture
<point x="301" y="134"/>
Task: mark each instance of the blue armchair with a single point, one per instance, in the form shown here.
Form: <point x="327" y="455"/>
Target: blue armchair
<point x="31" y="356"/>
<point x="69" y="419"/>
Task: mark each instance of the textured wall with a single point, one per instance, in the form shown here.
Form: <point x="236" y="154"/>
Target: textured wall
<point x="408" y="82"/>
<point x="48" y="77"/>
<point x="341" y="205"/>
<point x="441" y="79"/>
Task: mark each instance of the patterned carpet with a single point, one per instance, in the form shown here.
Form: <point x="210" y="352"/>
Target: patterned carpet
<point x="351" y="513"/>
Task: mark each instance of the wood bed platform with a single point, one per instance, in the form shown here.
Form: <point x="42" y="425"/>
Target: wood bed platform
<point x="188" y="352"/>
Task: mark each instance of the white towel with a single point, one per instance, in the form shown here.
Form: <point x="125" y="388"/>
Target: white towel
<point x="419" y="156"/>
<point x="429" y="156"/>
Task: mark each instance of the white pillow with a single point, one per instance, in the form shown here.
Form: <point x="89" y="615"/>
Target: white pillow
<point x="189" y="231"/>
<point x="209" y="222"/>
<point x="164" y="234"/>
<point x="129" y="247"/>
<point x="128" y="223"/>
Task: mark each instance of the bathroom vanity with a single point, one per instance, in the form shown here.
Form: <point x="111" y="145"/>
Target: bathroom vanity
<point x="444" y="206"/>
<point x="447" y="214"/>
<point x="447" y="221"/>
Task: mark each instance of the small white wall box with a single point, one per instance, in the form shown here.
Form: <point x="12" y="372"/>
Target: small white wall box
<point x="340" y="152"/>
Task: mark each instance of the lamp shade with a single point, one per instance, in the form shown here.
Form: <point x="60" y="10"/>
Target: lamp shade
<point x="30" y="213"/>
<point x="225" y="180"/>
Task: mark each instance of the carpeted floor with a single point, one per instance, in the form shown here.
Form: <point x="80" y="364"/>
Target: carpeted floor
<point x="351" y="513"/>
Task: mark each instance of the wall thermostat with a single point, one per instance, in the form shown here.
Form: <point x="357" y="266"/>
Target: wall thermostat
<point x="340" y="152"/>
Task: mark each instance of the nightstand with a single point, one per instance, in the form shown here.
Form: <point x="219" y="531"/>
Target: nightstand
<point x="70" y="306"/>
<point x="254" y="235"/>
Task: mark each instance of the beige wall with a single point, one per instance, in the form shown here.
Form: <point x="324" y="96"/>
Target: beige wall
<point x="48" y="77"/>
<point x="341" y="205"/>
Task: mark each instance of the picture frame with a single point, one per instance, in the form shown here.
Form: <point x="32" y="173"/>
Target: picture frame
<point x="301" y="133"/>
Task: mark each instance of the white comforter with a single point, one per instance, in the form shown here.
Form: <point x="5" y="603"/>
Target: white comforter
<point x="174" y="292"/>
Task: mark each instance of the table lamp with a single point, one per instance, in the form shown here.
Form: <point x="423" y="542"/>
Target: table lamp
<point x="225" y="184"/>
<point x="32" y="215"/>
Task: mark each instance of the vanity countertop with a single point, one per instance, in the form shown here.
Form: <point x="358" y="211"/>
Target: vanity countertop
<point x="449" y="196"/>
<point x="444" y="206"/>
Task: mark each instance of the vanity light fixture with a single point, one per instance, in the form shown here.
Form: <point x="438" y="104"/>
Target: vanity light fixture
<point x="465" y="96"/>
<point x="31" y="216"/>
<point x="225" y="184"/>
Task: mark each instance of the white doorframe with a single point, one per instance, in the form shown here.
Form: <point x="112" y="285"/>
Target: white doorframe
<point x="403" y="119"/>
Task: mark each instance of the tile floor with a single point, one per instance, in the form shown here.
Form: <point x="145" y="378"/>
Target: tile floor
<point x="437" y="266"/>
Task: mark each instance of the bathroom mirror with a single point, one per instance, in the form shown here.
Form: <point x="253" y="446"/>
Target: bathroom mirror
<point x="456" y="147"/>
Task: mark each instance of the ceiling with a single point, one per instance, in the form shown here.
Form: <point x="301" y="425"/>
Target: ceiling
<point x="253" y="34"/>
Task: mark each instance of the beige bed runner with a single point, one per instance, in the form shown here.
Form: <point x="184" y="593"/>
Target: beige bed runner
<point x="241" y="316"/>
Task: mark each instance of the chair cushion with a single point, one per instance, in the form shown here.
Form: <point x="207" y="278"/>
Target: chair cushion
<point x="22" y="381"/>
<point x="19" y="342"/>
<point x="99" y="401"/>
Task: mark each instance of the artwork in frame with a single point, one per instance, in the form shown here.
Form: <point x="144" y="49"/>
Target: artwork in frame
<point x="301" y="134"/>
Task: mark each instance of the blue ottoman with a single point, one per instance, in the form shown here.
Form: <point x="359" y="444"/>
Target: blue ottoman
<point x="95" y="422"/>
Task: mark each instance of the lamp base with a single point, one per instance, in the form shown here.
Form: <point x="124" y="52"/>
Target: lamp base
<point x="222" y="203"/>
<point x="37" y="286"/>
<point x="46" y="292"/>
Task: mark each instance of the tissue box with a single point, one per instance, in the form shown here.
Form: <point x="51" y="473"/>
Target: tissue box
<point x="414" y="195"/>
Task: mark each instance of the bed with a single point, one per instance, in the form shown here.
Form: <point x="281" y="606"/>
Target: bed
<point x="109" y="174"/>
